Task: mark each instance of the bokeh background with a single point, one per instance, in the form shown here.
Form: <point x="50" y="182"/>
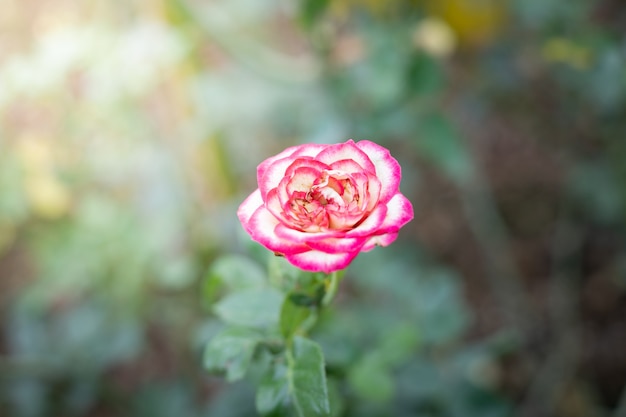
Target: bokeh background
<point x="130" y="131"/>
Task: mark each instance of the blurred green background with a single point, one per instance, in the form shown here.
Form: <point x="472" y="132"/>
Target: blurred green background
<point x="130" y="132"/>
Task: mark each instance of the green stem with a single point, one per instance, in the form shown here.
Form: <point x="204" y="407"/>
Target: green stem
<point x="327" y="289"/>
<point x="332" y="284"/>
<point x="308" y="324"/>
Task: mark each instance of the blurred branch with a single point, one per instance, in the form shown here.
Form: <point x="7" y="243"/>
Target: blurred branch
<point x="491" y="233"/>
<point x="560" y="366"/>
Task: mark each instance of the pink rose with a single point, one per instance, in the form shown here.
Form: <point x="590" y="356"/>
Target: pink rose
<point x="320" y="205"/>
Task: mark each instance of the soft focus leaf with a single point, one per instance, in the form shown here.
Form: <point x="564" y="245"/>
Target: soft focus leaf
<point x="303" y="300"/>
<point x="307" y="379"/>
<point x="291" y="317"/>
<point x="335" y="397"/>
<point x="231" y="351"/>
<point x="252" y="307"/>
<point x="370" y="379"/>
<point x="231" y="273"/>
<point x="282" y="274"/>
<point x="272" y="391"/>
<point x="237" y="272"/>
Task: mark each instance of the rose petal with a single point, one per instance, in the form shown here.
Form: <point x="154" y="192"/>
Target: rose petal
<point x="248" y="207"/>
<point x="374" y="188"/>
<point x="382" y="240"/>
<point x="387" y="168"/>
<point x="302" y="180"/>
<point x="283" y="195"/>
<point x="305" y="162"/>
<point x="399" y="213"/>
<point x="262" y="229"/>
<point x="273" y="174"/>
<point x="347" y="165"/>
<point x="301" y="237"/>
<point x="309" y="149"/>
<point x="263" y="166"/>
<point x="339" y="220"/>
<point x="338" y="185"/>
<point x="371" y="225"/>
<point x="369" y="190"/>
<point x="316" y="261"/>
<point x="335" y="245"/>
<point x="348" y="150"/>
<point x="274" y="205"/>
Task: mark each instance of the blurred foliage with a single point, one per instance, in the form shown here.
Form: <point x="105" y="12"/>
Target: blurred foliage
<point x="129" y="133"/>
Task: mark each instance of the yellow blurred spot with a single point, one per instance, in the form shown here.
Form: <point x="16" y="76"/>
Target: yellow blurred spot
<point x="561" y="50"/>
<point x="210" y="169"/>
<point x="435" y="37"/>
<point x="48" y="197"/>
<point x="35" y="153"/>
<point x="476" y="22"/>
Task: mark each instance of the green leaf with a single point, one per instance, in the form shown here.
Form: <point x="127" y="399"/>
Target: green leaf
<point x="304" y="300"/>
<point x="252" y="307"/>
<point x="273" y="390"/>
<point x="283" y="275"/>
<point x="237" y="272"/>
<point x="335" y="397"/>
<point x="231" y="273"/>
<point x="307" y="288"/>
<point x="371" y="380"/>
<point x="292" y="316"/>
<point x="231" y="351"/>
<point x="307" y="378"/>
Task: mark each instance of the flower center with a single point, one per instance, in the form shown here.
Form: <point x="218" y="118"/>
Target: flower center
<point x="332" y="202"/>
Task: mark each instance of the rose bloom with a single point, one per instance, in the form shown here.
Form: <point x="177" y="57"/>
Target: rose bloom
<point x="321" y="205"/>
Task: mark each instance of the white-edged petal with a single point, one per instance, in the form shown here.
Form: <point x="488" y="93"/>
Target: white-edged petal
<point x="248" y="207"/>
<point x="302" y="237"/>
<point x="381" y="240"/>
<point x="399" y="213"/>
<point x="347" y="150"/>
<point x="263" y="166"/>
<point x="316" y="261"/>
<point x="262" y="229"/>
<point x="338" y="245"/>
<point x="273" y="174"/>
<point x="371" y="225"/>
<point x="387" y="168"/>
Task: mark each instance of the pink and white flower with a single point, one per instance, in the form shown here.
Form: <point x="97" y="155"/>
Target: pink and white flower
<point x="321" y="205"/>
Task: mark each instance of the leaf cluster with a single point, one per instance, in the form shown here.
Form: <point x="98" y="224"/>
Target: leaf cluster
<point x="266" y="321"/>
